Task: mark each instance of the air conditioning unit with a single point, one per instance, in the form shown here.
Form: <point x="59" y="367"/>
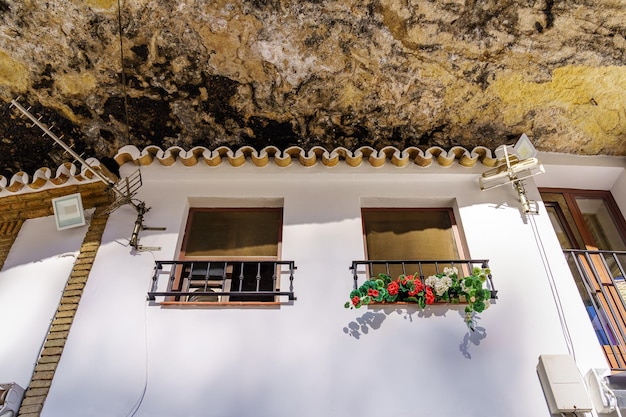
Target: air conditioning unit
<point x="603" y="398"/>
<point x="562" y="384"/>
<point x="11" y="395"/>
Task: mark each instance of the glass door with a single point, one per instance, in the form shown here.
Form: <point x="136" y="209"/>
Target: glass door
<point x="592" y="233"/>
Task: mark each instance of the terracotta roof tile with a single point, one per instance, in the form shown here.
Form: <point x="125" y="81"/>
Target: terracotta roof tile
<point x="294" y="154"/>
<point x="68" y="173"/>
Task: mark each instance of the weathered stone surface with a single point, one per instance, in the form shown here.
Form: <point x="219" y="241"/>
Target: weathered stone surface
<point x="330" y="73"/>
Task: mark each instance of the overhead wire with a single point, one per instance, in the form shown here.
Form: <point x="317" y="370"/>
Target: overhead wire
<point x="123" y="72"/>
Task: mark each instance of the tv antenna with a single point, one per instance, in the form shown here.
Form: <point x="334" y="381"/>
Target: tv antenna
<point x="124" y="190"/>
<point x="516" y="164"/>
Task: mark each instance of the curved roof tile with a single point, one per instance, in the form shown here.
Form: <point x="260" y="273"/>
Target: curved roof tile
<point x="65" y="174"/>
<point x="295" y="154"/>
<point x="68" y="173"/>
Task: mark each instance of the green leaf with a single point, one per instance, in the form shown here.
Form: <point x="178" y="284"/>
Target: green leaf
<point x="347" y="304"/>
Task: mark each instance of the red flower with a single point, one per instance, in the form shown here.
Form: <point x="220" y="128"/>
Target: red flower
<point x="430" y="297"/>
<point x="393" y="288"/>
<point x="355" y="300"/>
<point x="372" y="293"/>
<point x="419" y="286"/>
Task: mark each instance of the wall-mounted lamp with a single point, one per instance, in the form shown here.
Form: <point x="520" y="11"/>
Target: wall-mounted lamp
<point x="515" y="164"/>
<point x="68" y="211"/>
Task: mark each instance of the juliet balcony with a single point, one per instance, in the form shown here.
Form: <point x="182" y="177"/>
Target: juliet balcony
<point x="227" y="282"/>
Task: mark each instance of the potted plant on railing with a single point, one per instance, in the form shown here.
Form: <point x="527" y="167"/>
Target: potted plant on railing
<point x="446" y="287"/>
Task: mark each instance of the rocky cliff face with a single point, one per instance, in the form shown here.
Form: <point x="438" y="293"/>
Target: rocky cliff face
<point x="331" y="73"/>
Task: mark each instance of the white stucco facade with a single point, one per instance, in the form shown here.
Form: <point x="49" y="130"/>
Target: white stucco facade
<point x="31" y="283"/>
<point x="128" y="356"/>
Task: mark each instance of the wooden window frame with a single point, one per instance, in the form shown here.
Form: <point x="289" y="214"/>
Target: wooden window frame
<point x="459" y="242"/>
<point x="570" y="198"/>
<point x="225" y="300"/>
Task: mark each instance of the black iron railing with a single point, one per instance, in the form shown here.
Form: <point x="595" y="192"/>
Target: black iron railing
<point x="422" y="268"/>
<point x="221" y="281"/>
<point x="599" y="276"/>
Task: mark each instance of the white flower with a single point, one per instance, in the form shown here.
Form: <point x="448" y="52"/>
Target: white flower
<point x="464" y="288"/>
<point x="431" y="281"/>
<point x="440" y="285"/>
<point x="450" y="271"/>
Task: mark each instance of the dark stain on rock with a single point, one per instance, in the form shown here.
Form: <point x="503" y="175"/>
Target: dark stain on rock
<point x="81" y="110"/>
<point x="548" y="12"/>
<point x="45" y="79"/>
<point x="141" y="52"/>
<point x="269" y="132"/>
<point x="220" y="90"/>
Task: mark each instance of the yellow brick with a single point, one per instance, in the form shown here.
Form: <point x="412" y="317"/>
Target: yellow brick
<point x="36" y="392"/>
<point x="49" y="359"/>
<point x="65" y="307"/>
<point x="75" y="287"/>
<point x="53" y="351"/>
<point x="26" y="411"/>
<point x="69" y="300"/>
<point x="63" y="320"/>
<point x="55" y="343"/>
<point x="60" y="328"/>
<point x="83" y="267"/>
<point x="46" y="367"/>
<point x="78" y="276"/>
<point x="58" y="335"/>
<point x="72" y="293"/>
<point x="33" y="400"/>
<point x="43" y="383"/>
<point x="63" y="314"/>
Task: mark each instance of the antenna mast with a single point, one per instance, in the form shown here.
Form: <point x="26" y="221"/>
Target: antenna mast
<point x="67" y="148"/>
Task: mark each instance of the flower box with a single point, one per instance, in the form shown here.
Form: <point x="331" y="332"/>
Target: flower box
<point x="446" y="287"/>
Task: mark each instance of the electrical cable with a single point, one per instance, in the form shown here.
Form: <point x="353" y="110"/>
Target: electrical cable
<point x="139" y="402"/>
<point x="555" y="293"/>
<point x="123" y="72"/>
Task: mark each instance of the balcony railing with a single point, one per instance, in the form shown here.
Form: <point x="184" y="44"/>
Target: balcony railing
<point x="221" y="281"/>
<point x="422" y="268"/>
<point x="600" y="278"/>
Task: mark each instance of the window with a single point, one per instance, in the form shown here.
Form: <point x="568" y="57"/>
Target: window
<point x="410" y="234"/>
<point x="592" y="233"/>
<point x="232" y="251"/>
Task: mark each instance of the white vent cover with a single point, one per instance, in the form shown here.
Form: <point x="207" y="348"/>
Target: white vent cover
<point x="562" y="384"/>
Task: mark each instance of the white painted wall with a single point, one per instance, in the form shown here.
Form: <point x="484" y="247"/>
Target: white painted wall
<point x="619" y="192"/>
<point x="31" y="283"/>
<point x="315" y="358"/>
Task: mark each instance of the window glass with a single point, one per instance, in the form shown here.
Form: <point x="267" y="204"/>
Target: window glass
<point x="409" y="234"/>
<point x="233" y="232"/>
<point x="600" y="223"/>
<point x="231" y="250"/>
